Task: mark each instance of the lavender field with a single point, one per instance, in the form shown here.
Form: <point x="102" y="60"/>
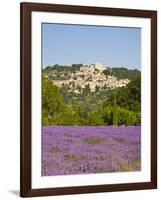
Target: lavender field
<point x="90" y="149"/>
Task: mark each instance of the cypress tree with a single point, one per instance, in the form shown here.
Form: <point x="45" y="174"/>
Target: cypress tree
<point x="115" y="111"/>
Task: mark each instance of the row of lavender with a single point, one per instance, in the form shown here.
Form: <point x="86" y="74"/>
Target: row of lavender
<point x="88" y="149"/>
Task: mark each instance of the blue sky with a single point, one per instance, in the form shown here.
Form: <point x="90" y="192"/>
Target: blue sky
<point x="112" y="46"/>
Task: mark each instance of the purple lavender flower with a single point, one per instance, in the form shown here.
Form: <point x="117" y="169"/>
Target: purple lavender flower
<point x="90" y="149"/>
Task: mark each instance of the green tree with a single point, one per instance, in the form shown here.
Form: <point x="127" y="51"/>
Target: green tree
<point x="95" y="119"/>
<point x="86" y="90"/>
<point x="52" y="100"/>
<point x="107" y="115"/>
<point x="128" y="97"/>
<point x="115" y="112"/>
<point x="97" y="88"/>
<point x="123" y="73"/>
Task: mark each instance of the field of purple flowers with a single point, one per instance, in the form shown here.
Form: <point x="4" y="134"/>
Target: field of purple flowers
<point x="90" y="149"/>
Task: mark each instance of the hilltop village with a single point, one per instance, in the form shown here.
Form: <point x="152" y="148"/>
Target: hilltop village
<point x="92" y="77"/>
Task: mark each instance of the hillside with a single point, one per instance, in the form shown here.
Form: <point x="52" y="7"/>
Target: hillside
<point x="95" y="77"/>
<point x="69" y="99"/>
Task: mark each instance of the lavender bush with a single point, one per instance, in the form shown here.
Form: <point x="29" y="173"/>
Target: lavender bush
<point x="90" y="149"/>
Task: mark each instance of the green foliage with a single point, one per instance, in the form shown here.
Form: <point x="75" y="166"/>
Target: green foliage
<point x="108" y="72"/>
<point x="115" y="111"/>
<point x="124" y="73"/>
<point x="86" y="90"/>
<point x="124" y="117"/>
<point x="60" y="72"/>
<point x="107" y="115"/>
<point x="128" y="97"/>
<point x="97" y="88"/>
<point x="95" y="119"/>
<point x="52" y="101"/>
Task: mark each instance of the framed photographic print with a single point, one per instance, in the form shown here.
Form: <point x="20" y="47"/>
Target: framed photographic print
<point x="88" y="99"/>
